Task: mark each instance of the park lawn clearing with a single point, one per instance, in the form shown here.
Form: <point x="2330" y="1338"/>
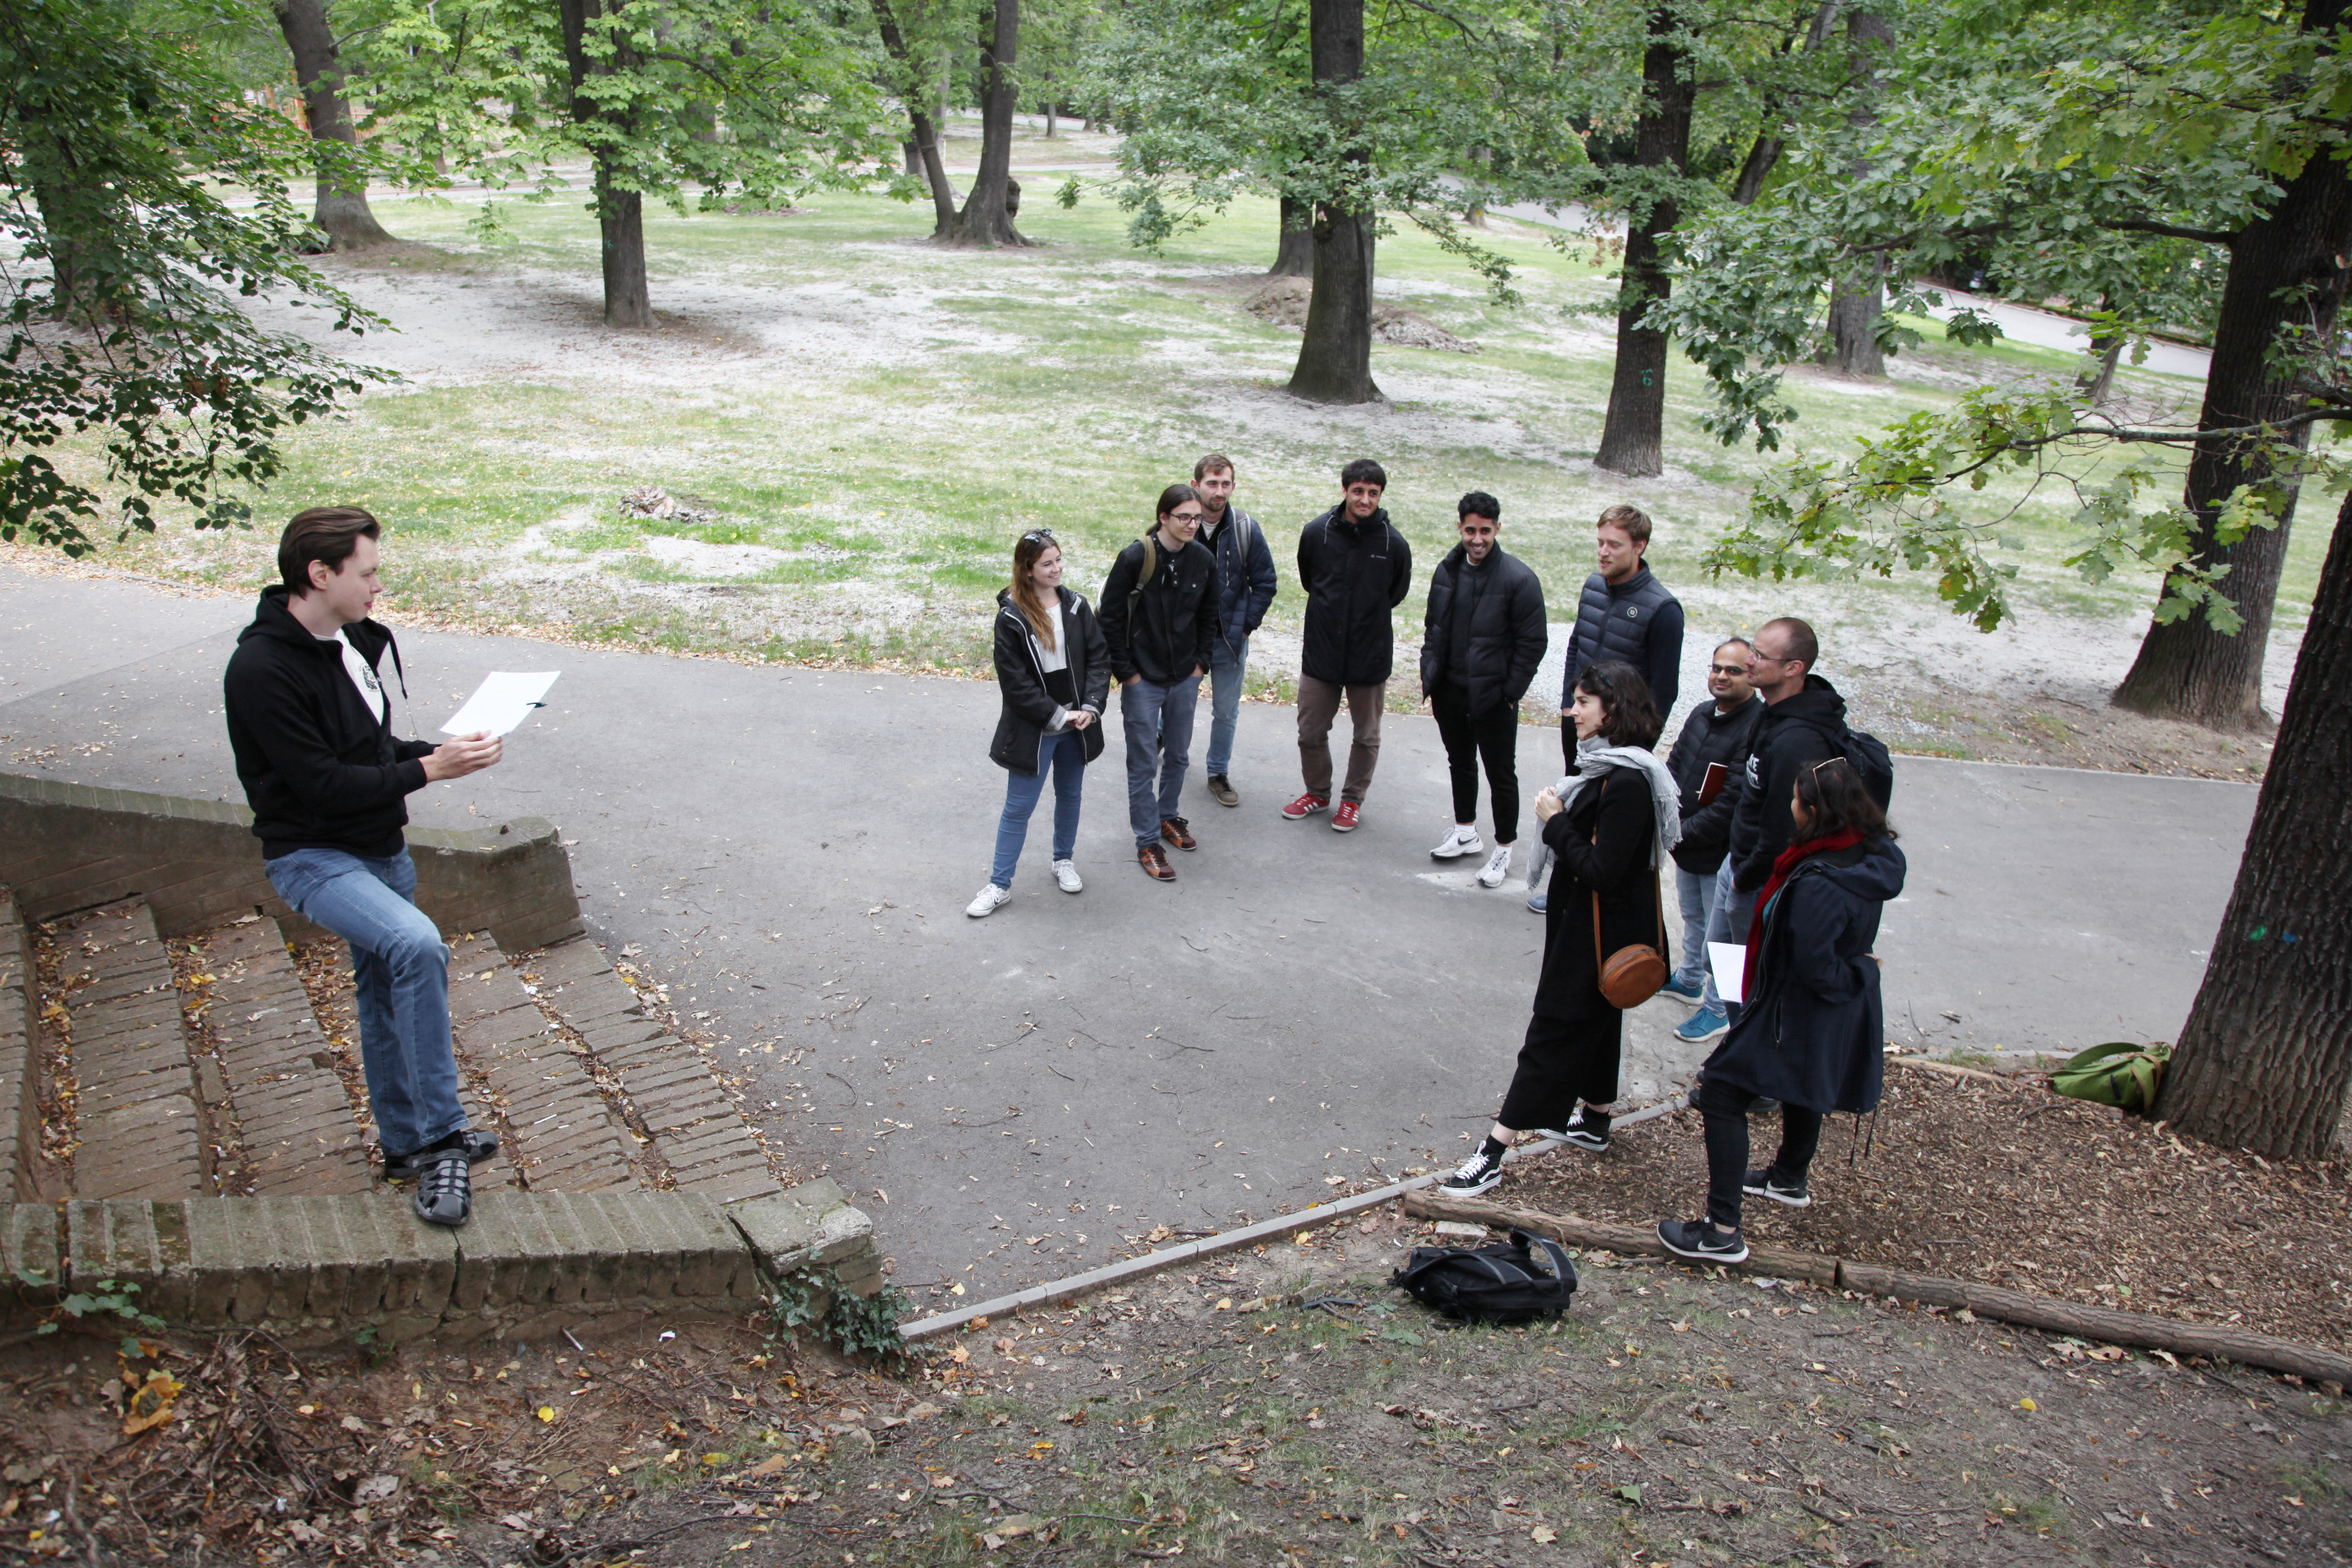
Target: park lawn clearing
<point x="1997" y="1180"/>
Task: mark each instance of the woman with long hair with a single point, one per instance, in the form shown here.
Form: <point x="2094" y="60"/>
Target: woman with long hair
<point x="1811" y="1031"/>
<point x="1052" y="672"/>
<point x="1605" y="827"/>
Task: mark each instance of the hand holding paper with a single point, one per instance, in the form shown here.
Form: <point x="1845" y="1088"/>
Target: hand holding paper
<point x="1729" y="962"/>
<point x="503" y="700"/>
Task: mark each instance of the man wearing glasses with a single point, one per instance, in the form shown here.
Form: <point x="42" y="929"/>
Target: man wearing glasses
<point x="1159" y="617"/>
<point x="1708" y="754"/>
<point x="1804" y="717"/>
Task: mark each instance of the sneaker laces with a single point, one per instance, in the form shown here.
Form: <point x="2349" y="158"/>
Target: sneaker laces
<point x="445" y="1190"/>
<point x="1472" y="1168"/>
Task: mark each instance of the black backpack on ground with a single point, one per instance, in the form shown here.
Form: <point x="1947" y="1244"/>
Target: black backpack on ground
<point x="1502" y="1283"/>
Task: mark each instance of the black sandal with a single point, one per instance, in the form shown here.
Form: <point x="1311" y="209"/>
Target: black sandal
<point x="445" y="1191"/>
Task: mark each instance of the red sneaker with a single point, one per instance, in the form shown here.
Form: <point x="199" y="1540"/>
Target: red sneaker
<point x="1306" y="805"/>
<point x="1348" y="818"/>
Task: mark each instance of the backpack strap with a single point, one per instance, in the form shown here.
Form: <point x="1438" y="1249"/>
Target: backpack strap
<point x="1561" y="1263"/>
<point x="1135" y="595"/>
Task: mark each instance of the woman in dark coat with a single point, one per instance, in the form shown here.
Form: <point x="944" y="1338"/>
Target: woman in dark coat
<point x="1619" y="816"/>
<point x="1811" y="1032"/>
<point x="1053" y="671"/>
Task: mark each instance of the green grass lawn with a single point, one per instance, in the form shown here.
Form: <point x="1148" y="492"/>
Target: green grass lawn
<point x="878" y="419"/>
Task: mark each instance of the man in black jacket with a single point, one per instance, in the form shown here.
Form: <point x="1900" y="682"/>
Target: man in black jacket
<point x="1483" y="636"/>
<point x="1625" y="613"/>
<point x="1714" y="743"/>
<point x="1356" y="569"/>
<point x="1159" y="617"/>
<point x="309" y="723"/>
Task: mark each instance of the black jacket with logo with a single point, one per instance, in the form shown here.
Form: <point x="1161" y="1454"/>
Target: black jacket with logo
<point x="1711" y="735"/>
<point x="1636" y="620"/>
<point x="1173" y="624"/>
<point x="1354" y="574"/>
<point x="1791" y="735"/>
<point x="321" y="770"/>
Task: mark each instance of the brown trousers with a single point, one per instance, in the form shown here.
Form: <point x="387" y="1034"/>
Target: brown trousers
<point x="1318" y="705"/>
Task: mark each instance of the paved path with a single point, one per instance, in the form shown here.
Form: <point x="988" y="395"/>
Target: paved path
<point x="793" y="849"/>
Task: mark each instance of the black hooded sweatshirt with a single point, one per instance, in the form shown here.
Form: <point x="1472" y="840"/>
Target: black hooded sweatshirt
<point x="321" y="770"/>
<point x="1791" y="736"/>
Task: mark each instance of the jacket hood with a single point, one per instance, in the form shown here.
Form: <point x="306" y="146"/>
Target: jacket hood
<point x="1005" y="599"/>
<point x="1459" y="557"/>
<point x="272" y="617"/>
<point x="1819" y="703"/>
<point x="1340" y="519"/>
<point x="1877" y="875"/>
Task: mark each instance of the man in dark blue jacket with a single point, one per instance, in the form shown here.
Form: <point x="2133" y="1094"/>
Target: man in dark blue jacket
<point x="1625" y="613"/>
<point x="1245" y="584"/>
<point x="1356" y="569"/>
<point x="311" y="726"/>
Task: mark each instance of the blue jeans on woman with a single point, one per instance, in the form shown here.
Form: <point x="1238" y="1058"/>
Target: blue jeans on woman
<point x="400" y="974"/>
<point x="1065" y="753"/>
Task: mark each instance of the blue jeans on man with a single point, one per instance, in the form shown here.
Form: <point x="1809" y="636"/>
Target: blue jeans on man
<point x="1065" y="755"/>
<point x="1697" y="892"/>
<point x="1228" y="662"/>
<point x="400" y="974"/>
<point x="1158" y="721"/>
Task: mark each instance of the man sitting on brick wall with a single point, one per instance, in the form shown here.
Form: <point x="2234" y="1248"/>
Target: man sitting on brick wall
<point x="311" y="727"/>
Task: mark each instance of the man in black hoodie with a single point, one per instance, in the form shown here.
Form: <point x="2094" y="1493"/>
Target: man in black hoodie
<point x="1356" y="569"/>
<point x="1159" y="619"/>
<point x="309" y="723"/>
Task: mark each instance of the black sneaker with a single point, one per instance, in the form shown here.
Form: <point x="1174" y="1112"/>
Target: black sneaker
<point x="445" y="1191"/>
<point x="475" y="1144"/>
<point x="1765" y="1184"/>
<point x="1588" y="1130"/>
<point x="1696" y="1238"/>
<point x="1478" y="1173"/>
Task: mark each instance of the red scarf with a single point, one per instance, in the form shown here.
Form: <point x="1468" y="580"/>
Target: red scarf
<point x="1788" y="861"/>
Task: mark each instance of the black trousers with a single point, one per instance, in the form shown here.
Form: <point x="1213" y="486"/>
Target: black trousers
<point x="1562" y="1061"/>
<point x="1725" y="1110"/>
<point x="1492" y="736"/>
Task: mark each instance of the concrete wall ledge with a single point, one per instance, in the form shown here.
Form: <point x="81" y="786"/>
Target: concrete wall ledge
<point x="318" y="1269"/>
<point x="67" y="846"/>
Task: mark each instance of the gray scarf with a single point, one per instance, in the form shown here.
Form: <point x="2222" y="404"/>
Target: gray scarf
<point x="1596" y="757"/>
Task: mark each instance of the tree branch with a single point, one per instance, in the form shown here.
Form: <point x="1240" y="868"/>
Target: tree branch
<point x="2169" y="230"/>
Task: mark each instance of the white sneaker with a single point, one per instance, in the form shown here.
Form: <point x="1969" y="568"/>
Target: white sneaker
<point x="1497" y="867"/>
<point x="992" y="899"/>
<point x="1066" y="876"/>
<point x="1460" y="842"/>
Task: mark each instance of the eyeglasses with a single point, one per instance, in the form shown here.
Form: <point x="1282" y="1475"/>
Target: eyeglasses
<point x="1039" y="536"/>
<point x="1726" y="668"/>
<point x="1186" y="516"/>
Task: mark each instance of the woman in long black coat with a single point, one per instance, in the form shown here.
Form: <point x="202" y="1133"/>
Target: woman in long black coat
<point x="1052" y="671"/>
<point x="1811" y="1034"/>
<point x="1621" y="814"/>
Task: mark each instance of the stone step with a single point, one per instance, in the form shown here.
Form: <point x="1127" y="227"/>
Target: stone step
<point x="294" y="1118"/>
<point x="561" y="1135"/>
<point x="20" y="1110"/>
<point x="138" y="1124"/>
<point x="674" y="1094"/>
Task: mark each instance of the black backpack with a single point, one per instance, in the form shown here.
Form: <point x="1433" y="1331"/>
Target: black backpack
<point x="1503" y="1283"/>
<point x="1872" y="762"/>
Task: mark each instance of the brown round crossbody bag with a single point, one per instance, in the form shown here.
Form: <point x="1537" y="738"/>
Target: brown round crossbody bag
<point x="1633" y="975"/>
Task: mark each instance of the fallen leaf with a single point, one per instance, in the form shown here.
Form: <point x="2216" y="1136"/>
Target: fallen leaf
<point x="767" y="1467"/>
<point x="375" y="1488"/>
<point x="2027" y="1404"/>
<point x="547" y="1413"/>
<point x="1543" y="1535"/>
<point x="151" y="1406"/>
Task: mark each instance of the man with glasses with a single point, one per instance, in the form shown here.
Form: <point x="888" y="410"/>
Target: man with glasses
<point x="1159" y="618"/>
<point x="1709" y="752"/>
<point x="1803" y="715"/>
<point x="1245" y="586"/>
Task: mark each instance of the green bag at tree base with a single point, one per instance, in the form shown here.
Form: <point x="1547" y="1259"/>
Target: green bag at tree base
<point x="2119" y="1073"/>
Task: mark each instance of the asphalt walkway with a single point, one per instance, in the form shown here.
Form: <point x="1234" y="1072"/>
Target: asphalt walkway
<point x="794" y="848"/>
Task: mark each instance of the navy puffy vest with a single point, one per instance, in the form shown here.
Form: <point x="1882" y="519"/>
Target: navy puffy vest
<point x="1608" y="628"/>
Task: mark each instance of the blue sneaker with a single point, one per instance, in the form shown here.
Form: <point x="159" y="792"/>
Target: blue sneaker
<point x="1701" y="1026"/>
<point x="1536" y="902"/>
<point x="1677" y="985"/>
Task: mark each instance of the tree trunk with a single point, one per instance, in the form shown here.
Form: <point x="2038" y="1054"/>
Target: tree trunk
<point x="1051" y="119"/>
<point x="620" y="213"/>
<point x="2266" y="1057"/>
<point x="1632" y="437"/>
<point x="923" y="152"/>
<point x="1293" y="255"/>
<point x="2093" y="383"/>
<point x="1769" y="143"/>
<point x="2286" y="269"/>
<point x="913" y="158"/>
<point x="1858" y="302"/>
<point x="1335" y="358"/>
<point x="341" y="212"/>
<point x="985" y="221"/>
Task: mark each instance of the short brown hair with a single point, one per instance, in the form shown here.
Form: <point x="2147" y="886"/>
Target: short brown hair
<point x="1631" y="519"/>
<point x="1804" y="648"/>
<point x="328" y="533"/>
<point x="1210" y="465"/>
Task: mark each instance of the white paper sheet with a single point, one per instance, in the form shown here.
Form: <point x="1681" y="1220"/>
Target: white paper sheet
<point x="1730" y="965"/>
<point x="504" y="699"/>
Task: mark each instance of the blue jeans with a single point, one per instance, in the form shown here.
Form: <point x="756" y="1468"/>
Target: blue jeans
<point x="1698" y="901"/>
<point x="400" y="972"/>
<point x="1727" y="921"/>
<point x="1228" y="664"/>
<point x="1158" y="724"/>
<point x="1065" y="755"/>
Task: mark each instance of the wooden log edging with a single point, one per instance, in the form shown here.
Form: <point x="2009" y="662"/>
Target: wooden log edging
<point x="2140" y="1331"/>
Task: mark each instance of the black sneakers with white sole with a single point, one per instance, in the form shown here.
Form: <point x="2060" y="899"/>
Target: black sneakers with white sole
<point x="1478" y="1173"/>
<point x="1765" y="1184"/>
<point x="1696" y="1238"/>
